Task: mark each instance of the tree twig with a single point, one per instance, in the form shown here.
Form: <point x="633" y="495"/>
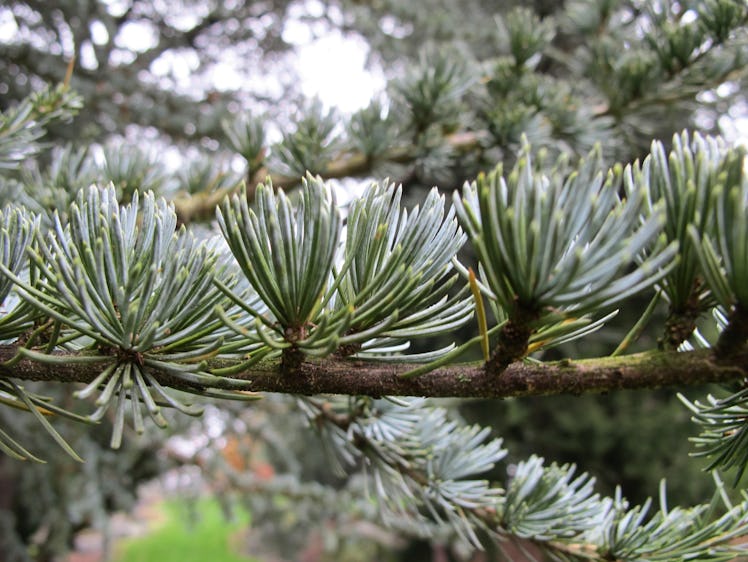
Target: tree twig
<point x="353" y="377"/>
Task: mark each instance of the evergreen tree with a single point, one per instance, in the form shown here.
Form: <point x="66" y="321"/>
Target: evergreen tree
<point x="115" y="294"/>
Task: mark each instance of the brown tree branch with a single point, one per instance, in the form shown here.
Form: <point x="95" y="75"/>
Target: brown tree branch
<point x="201" y="206"/>
<point x="345" y="376"/>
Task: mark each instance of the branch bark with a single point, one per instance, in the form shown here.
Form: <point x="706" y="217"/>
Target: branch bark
<point x="653" y="369"/>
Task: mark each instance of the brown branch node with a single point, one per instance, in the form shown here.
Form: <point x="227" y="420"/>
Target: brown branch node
<point x="681" y="322"/>
<point x="734" y="337"/>
<point x="514" y="338"/>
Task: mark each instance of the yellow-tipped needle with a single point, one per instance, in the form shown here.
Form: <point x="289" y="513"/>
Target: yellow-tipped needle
<point x="480" y="312"/>
<point x="69" y="72"/>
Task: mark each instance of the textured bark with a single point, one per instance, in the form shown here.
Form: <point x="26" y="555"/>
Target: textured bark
<point x="349" y="376"/>
<point x="735" y="335"/>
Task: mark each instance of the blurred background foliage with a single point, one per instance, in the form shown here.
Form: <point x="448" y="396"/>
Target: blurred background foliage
<point x="189" y="98"/>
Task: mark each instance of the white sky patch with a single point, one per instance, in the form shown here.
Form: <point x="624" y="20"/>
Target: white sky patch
<point x="226" y="77"/>
<point x="137" y="36"/>
<point x="742" y="127"/>
<point x="8" y="27"/>
<point x="99" y="34"/>
<point x="332" y="68"/>
<point x="87" y="56"/>
<point x="179" y="65"/>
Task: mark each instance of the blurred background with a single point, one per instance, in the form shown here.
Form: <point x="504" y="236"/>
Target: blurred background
<point x="189" y="98"/>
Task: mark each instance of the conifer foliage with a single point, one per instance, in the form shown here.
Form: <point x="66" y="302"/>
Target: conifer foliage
<point x="108" y="288"/>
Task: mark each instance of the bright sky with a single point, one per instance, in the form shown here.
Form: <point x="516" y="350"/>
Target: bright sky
<point x="332" y="68"/>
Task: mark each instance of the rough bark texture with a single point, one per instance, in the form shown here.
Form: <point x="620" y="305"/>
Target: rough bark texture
<point x="733" y="338"/>
<point x="347" y="376"/>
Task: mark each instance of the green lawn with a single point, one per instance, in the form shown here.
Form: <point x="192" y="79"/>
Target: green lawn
<point x="178" y="539"/>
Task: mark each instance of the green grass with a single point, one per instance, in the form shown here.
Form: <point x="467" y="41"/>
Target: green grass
<point x="177" y="538"/>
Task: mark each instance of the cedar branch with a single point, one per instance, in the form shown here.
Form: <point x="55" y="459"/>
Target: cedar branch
<point x="334" y="375"/>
